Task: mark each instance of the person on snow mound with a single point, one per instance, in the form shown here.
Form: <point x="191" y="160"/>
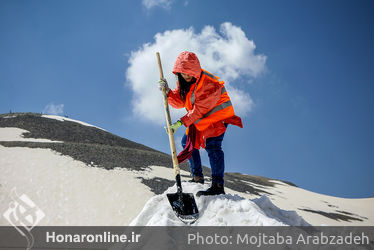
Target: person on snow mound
<point x="209" y="111"/>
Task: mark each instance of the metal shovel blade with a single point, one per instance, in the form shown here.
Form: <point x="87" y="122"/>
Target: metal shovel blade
<point x="184" y="206"/>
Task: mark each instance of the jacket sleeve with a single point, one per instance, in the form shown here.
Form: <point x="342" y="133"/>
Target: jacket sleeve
<point x="174" y="99"/>
<point x="206" y="99"/>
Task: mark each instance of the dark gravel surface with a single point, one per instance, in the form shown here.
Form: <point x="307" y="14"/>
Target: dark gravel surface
<point x="335" y="216"/>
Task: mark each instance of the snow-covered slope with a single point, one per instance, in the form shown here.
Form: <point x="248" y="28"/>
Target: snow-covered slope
<point x="71" y="193"/>
<point x="100" y="179"/>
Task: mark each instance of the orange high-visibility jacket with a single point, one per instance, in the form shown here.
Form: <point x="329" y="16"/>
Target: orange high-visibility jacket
<point x="207" y="103"/>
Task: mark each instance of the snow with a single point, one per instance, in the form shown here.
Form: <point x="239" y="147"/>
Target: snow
<point x="61" y="118"/>
<point x="161" y="171"/>
<point x="221" y="210"/>
<point x="286" y="216"/>
<point x="16" y="134"/>
<point x="291" y="198"/>
<point x="69" y="192"/>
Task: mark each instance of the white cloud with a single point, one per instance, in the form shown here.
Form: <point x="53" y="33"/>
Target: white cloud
<point x="228" y="54"/>
<point x="161" y="3"/>
<point x="53" y="109"/>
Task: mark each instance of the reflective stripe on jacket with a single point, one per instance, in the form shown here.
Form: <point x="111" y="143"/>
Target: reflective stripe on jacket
<point x="207" y="102"/>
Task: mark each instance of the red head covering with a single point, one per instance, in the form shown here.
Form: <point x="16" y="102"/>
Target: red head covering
<point x="187" y="63"/>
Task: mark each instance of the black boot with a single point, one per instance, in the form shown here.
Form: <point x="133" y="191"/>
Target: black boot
<point x="197" y="179"/>
<point x="215" y="189"/>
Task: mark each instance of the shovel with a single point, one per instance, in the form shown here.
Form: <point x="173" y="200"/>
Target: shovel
<point x="183" y="204"/>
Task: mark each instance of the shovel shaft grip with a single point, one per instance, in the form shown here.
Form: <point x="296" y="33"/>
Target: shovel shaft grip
<point x="168" y="122"/>
<point x="160" y="65"/>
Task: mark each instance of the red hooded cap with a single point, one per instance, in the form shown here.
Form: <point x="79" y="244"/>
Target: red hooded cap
<point x="187" y="63"/>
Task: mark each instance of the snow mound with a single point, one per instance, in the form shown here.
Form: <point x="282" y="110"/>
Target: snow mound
<point x="220" y="210"/>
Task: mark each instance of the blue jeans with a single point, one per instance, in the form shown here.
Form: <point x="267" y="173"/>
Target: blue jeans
<point x="213" y="146"/>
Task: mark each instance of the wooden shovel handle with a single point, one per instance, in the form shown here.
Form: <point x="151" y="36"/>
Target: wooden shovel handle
<point x="160" y="65"/>
<point x="170" y="131"/>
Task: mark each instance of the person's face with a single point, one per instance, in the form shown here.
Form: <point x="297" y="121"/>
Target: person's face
<point x="186" y="77"/>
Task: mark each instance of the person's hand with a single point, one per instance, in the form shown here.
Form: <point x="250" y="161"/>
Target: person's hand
<point x="174" y="127"/>
<point x="162" y="83"/>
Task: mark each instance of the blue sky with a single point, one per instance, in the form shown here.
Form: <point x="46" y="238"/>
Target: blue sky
<point x="307" y="112"/>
